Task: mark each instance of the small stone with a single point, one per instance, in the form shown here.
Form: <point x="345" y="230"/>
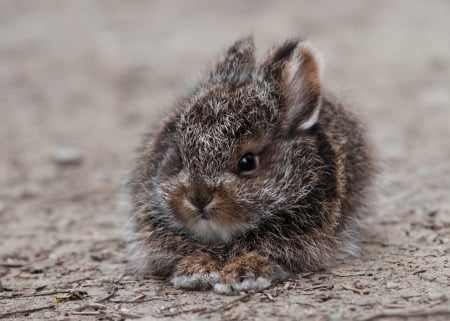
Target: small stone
<point x="437" y="296"/>
<point x="336" y="316"/>
<point x="391" y="285"/>
<point x="67" y="156"/>
<point x="416" y="300"/>
<point x="2" y="207"/>
<point x="28" y="192"/>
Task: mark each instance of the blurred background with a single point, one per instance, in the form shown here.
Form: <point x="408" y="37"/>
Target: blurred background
<point x="91" y="74"/>
<point x="81" y="80"/>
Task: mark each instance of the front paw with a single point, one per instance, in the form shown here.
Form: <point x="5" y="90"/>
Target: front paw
<point x="195" y="272"/>
<point x="248" y="272"/>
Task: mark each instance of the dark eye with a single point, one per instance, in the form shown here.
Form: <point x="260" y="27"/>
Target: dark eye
<point x="247" y="163"/>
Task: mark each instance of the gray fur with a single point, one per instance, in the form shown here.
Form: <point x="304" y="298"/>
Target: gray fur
<point x="301" y="205"/>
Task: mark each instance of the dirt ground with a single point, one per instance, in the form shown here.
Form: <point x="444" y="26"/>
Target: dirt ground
<point x="81" y="80"/>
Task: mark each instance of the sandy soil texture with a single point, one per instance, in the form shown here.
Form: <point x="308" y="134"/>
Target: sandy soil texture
<point x="81" y="80"/>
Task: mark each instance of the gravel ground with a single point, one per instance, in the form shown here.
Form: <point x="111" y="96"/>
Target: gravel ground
<point x="81" y="80"/>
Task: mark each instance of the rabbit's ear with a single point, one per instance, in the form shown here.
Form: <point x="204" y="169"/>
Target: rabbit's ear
<point x="297" y="68"/>
<point x="237" y="65"/>
<point x="301" y="83"/>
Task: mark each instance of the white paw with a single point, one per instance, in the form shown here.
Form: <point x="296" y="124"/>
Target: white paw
<point x="195" y="281"/>
<point x="249" y="284"/>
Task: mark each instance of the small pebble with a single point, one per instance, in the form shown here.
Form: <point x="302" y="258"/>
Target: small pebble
<point x="336" y="316"/>
<point x="437" y="296"/>
<point x="391" y="285"/>
<point x="28" y="192"/>
<point x="67" y="156"/>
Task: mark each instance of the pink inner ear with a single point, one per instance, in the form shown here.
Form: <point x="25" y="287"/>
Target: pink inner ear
<point x="302" y="86"/>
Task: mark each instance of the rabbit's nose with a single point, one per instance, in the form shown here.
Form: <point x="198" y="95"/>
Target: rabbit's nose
<point x="200" y="200"/>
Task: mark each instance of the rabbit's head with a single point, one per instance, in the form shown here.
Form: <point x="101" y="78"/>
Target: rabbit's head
<point x="240" y="149"/>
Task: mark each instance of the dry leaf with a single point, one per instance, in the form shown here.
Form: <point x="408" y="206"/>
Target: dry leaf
<point x="74" y="295"/>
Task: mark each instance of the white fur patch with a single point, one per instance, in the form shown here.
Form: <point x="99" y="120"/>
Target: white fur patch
<point x="314" y="117"/>
<point x="195" y="281"/>
<point x="296" y="83"/>
<point x="246" y="285"/>
<point x="212" y="231"/>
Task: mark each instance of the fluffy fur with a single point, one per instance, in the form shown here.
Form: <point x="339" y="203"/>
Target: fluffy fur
<point x="297" y="210"/>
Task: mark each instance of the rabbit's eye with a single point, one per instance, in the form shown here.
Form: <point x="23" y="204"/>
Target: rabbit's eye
<point x="247" y="163"/>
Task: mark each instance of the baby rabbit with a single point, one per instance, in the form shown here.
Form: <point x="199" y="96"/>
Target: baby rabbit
<point x="256" y="174"/>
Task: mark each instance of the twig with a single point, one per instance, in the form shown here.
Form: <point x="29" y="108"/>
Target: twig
<point x="113" y="291"/>
<point x="406" y="314"/>
<point x="233" y="302"/>
<point x="109" y="296"/>
<point x="12" y="313"/>
<point x="139" y="299"/>
<point x="355" y="289"/>
<point x="419" y="271"/>
<point x="319" y="286"/>
<point x="193" y="310"/>
<point x="129" y="315"/>
<point x="96" y="306"/>
<point x="19" y="296"/>
<point x="42" y="294"/>
<point x="347" y="275"/>
<point x="134" y="300"/>
<point x="306" y="304"/>
<point x="11" y="265"/>
<point x="103" y="313"/>
<point x="86" y="312"/>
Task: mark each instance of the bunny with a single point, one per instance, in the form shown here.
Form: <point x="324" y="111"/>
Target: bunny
<point x="257" y="174"/>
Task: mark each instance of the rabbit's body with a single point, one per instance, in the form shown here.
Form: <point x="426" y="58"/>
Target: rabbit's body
<point x="258" y="173"/>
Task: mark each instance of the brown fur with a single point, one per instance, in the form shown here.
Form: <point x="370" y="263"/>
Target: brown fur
<point x="196" y="264"/>
<point x="297" y="210"/>
<point x="248" y="266"/>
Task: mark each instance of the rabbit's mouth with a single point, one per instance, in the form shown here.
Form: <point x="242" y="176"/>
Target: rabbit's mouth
<point x="216" y="218"/>
<point x="210" y="224"/>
